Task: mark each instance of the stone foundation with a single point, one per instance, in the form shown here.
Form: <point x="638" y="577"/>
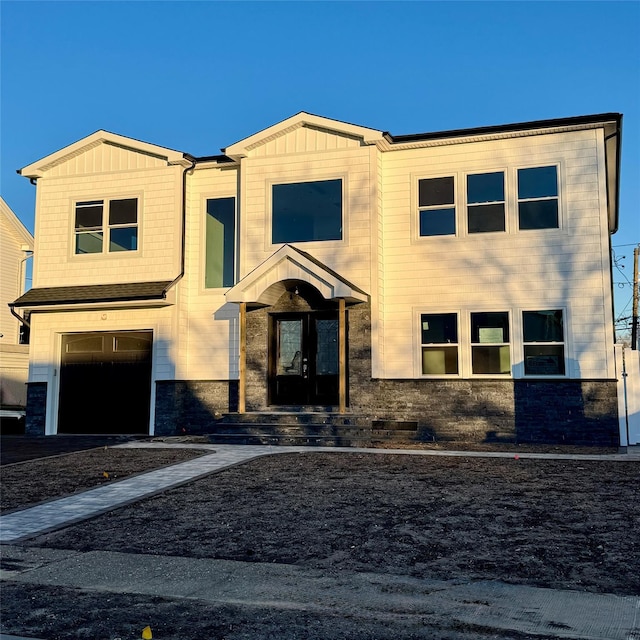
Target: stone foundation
<point x="192" y="406"/>
<point x="35" y="421"/>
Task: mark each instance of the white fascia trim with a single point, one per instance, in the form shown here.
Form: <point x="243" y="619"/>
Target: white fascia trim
<point x="40" y="167"/>
<point x="241" y="148"/>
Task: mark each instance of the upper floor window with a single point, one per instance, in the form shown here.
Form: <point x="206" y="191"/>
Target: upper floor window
<point x="96" y="232"/>
<point x="490" y="352"/>
<point x="436" y="204"/>
<point x="439" y="338"/>
<point x="306" y="211"/>
<point x="538" y="198"/>
<point x="543" y="337"/>
<point x="220" y="243"/>
<point x="485" y="202"/>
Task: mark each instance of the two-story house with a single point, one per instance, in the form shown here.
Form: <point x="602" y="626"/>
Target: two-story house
<point x="16" y="247"/>
<point x="459" y="281"/>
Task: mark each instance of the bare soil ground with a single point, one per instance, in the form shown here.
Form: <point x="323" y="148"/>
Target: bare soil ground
<point x="559" y="524"/>
<point x="29" y="482"/>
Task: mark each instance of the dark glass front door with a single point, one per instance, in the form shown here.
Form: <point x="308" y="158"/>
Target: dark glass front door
<point x="303" y="358"/>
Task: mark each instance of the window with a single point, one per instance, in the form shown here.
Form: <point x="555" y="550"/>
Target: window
<point x="485" y="202"/>
<point x="490" y="353"/>
<point x="220" y="243"/>
<point x="306" y="211"/>
<point x="118" y="233"/>
<point x="543" y="337"/>
<point x="538" y="198"/>
<point x="439" y="339"/>
<point x="436" y="206"/>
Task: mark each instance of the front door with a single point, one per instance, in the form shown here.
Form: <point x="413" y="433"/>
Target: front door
<point x="303" y="358"/>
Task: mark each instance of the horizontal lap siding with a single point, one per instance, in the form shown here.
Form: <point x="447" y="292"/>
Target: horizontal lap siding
<point x="545" y="269"/>
<point x="159" y="228"/>
<point x="208" y="325"/>
<point x="350" y="257"/>
<point x="47" y="327"/>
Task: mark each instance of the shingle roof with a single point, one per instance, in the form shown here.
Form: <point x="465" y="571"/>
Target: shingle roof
<point x="45" y="296"/>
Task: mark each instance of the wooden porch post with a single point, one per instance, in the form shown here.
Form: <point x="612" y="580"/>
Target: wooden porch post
<point x="242" y="365"/>
<point x="342" y="357"/>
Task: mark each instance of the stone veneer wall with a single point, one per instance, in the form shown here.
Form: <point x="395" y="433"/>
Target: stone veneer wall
<point x="580" y="412"/>
<point x="192" y="406"/>
<point x="536" y="411"/>
<point x="35" y="421"/>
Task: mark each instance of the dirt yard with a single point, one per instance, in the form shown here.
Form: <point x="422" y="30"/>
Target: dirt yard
<point x="29" y="482"/>
<point x="560" y="524"/>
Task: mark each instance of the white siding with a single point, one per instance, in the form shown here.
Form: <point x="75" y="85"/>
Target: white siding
<point x="553" y="268"/>
<point x="48" y="328"/>
<point x="208" y="326"/>
<point x="159" y="227"/>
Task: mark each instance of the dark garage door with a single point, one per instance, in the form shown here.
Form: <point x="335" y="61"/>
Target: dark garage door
<point x="105" y="383"/>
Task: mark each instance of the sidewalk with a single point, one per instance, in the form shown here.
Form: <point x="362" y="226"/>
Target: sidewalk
<point x="444" y="604"/>
<point x="488" y="604"/>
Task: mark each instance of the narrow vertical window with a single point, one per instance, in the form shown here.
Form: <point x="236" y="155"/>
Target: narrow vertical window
<point x="439" y="339"/>
<point x="220" y="242"/>
<point x="436" y="204"/>
<point x="543" y="338"/>
<point x="490" y="352"/>
<point x="538" y="198"/>
<point x="485" y="202"/>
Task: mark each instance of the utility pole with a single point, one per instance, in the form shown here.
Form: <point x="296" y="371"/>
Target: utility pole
<point x="634" y="315"/>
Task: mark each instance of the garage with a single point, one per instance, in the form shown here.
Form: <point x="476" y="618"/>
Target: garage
<point x="105" y="383"/>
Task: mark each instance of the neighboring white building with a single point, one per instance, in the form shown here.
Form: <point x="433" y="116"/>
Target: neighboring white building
<point x="459" y="280"/>
<point x="16" y="245"/>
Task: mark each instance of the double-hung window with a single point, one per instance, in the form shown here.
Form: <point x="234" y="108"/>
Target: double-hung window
<point x="543" y="338"/>
<point x="490" y="350"/>
<point x="306" y="211"/>
<point x="538" y="198"/>
<point x="220" y="232"/>
<point x="485" y="202"/>
<point x="436" y="204"/>
<point x="439" y="339"/>
<point x="109" y="225"/>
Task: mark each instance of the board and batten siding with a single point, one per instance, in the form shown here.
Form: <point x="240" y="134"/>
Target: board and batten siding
<point x="564" y="268"/>
<point x="158" y="190"/>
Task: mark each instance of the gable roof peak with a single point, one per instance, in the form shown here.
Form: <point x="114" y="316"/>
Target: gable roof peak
<point x="301" y="119"/>
<point x="38" y="168"/>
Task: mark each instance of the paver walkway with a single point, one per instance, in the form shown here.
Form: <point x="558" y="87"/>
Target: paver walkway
<point x="81" y="506"/>
<point x="491" y="604"/>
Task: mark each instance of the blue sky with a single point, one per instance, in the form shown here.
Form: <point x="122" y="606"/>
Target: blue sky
<point x="198" y="76"/>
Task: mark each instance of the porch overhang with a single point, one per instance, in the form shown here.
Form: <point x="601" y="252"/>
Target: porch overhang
<point x="267" y="282"/>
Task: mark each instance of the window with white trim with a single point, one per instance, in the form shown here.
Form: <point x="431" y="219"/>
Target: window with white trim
<point x="109" y="225"/>
<point x="485" y="202"/>
<point x="439" y="340"/>
<point x="538" y="198"/>
<point x="220" y="243"/>
<point x="543" y="341"/>
<point x="490" y="345"/>
<point x="306" y="211"/>
<point x="436" y="206"/>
